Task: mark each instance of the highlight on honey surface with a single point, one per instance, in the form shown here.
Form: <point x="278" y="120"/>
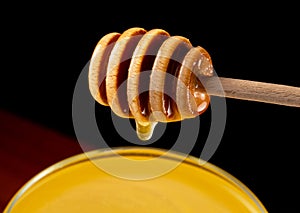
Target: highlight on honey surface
<point x="149" y="76"/>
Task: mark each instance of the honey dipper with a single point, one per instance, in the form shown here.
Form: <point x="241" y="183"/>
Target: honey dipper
<point x="153" y="77"/>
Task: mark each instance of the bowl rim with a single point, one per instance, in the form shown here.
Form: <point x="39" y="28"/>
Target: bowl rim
<point x="134" y="151"/>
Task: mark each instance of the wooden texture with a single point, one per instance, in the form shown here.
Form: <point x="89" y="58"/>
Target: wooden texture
<point x="253" y="91"/>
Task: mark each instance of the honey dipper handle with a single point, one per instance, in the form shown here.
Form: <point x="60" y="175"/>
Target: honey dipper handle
<point x="253" y="91"/>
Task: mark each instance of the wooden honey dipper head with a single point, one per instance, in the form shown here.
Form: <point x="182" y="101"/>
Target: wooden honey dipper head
<point x="149" y="76"/>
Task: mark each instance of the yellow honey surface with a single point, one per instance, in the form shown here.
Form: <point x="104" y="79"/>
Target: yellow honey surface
<point x="84" y="187"/>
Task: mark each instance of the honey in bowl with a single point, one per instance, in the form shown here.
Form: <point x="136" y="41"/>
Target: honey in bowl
<point x="79" y="184"/>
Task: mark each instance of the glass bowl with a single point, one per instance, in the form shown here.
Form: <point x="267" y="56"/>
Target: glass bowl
<point x="134" y="179"/>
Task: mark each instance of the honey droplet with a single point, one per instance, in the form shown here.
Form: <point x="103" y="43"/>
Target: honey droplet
<point x="145" y="130"/>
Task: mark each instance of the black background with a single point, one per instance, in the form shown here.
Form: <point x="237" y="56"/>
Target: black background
<point x="46" y="48"/>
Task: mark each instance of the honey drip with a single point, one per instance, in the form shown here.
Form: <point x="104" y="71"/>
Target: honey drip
<point x="144" y="130"/>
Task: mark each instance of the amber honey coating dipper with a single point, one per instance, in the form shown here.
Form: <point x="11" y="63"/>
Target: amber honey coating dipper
<point x="153" y="77"/>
